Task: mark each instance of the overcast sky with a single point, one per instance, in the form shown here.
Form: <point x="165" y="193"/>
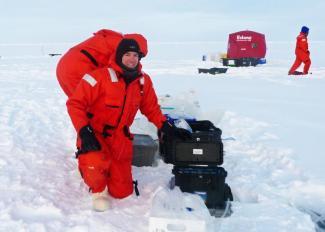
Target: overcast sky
<point x="42" y="21"/>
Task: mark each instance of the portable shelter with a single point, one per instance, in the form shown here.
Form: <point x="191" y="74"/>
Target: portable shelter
<point x="246" y="44"/>
<point x="245" y="48"/>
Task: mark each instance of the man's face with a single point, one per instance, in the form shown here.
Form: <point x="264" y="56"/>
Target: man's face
<point x="130" y="59"/>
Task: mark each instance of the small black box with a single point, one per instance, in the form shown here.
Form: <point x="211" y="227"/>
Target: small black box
<point x="205" y="147"/>
<point x="145" y="150"/>
<point x="240" y="62"/>
<point x="208" y="182"/>
<point x="248" y="62"/>
<point x="230" y="62"/>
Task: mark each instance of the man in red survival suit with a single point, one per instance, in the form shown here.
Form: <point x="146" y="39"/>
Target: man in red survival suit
<point x="302" y="53"/>
<point x="91" y="54"/>
<point x="102" y="109"/>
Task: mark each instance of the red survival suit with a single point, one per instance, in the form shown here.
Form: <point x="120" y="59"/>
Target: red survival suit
<point x="103" y="101"/>
<point x="89" y="55"/>
<point x="302" y="54"/>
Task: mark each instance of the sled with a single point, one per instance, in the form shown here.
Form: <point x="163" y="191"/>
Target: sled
<point x="213" y="71"/>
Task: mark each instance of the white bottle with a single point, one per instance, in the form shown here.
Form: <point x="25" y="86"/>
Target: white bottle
<point x="181" y="123"/>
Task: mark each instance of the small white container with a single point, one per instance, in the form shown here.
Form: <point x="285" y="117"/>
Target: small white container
<point x="174" y="211"/>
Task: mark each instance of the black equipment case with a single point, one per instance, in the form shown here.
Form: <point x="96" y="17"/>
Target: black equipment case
<point x="240" y="62"/>
<point x="208" y="182"/>
<point x="145" y="150"/>
<point x="205" y="147"/>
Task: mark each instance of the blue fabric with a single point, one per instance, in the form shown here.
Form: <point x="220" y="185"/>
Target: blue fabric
<point x="305" y="30"/>
<point x="173" y="118"/>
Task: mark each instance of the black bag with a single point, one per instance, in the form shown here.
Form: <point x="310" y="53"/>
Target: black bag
<point x="204" y="148"/>
<point x="208" y="182"/>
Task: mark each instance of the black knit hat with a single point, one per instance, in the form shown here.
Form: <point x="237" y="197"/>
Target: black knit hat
<point x="126" y="45"/>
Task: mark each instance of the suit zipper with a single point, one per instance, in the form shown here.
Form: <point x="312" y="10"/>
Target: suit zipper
<point x="121" y="114"/>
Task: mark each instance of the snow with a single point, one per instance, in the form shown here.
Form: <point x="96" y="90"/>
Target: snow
<point x="274" y="161"/>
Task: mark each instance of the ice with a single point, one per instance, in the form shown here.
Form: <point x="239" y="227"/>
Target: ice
<point x="274" y="163"/>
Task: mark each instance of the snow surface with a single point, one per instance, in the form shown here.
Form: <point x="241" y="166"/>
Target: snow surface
<point x="274" y="161"/>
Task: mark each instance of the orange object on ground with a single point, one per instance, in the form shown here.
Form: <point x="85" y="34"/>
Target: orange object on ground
<point x="302" y="54"/>
<point x="104" y="101"/>
<point x="89" y="55"/>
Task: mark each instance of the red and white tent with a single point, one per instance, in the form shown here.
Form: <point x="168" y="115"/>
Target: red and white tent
<point x="246" y="44"/>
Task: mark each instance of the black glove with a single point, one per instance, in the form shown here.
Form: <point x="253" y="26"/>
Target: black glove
<point x="173" y="131"/>
<point x="89" y="141"/>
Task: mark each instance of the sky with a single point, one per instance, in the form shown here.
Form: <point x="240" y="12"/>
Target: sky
<point x="37" y="21"/>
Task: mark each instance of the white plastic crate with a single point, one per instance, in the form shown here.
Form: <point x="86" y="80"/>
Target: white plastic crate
<point x="159" y="224"/>
<point x="174" y="211"/>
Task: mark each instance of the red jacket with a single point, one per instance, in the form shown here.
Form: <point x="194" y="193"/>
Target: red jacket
<point x="302" y="51"/>
<point x="89" y="55"/>
<point x="111" y="104"/>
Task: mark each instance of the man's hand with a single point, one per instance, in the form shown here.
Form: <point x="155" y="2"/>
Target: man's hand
<point x="173" y="131"/>
<point x="89" y="141"/>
